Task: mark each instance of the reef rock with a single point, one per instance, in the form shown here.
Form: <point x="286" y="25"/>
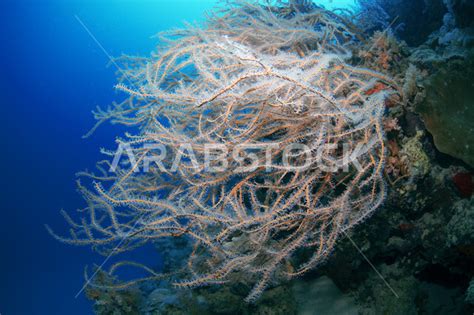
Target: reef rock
<point x="322" y="296"/>
<point x="461" y="226"/>
<point x="470" y="293"/>
<point x="447" y="109"/>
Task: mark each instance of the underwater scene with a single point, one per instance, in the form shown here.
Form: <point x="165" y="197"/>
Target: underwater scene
<point x="237" y="157"/>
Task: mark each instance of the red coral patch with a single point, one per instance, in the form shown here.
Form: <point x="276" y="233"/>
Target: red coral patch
<point x="464" y="183"/>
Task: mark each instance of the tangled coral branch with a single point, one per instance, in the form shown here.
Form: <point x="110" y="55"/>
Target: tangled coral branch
<point x="250" y="77"/>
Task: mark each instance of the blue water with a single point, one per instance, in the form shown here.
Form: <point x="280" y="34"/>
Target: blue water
<point x="52" y="75"/>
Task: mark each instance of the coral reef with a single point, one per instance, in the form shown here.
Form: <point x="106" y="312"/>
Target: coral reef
<point x="460" y="228"/>
<point x="464" y="184"/>
<point x="420" y="246"/>
<point x="322" y="296"/>
<point x="371" y="16"/>
<point x="278" y="74"/>
<point x="110" y="301"/>
<point x="383" y="52"/>
<point x="249" y="77"/>
<point x="470" y="293"/>
<point x="407" y="16"/>
<point x="451" y="125"/>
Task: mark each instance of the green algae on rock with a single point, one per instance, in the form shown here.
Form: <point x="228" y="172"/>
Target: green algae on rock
<point x="447" y="109"/>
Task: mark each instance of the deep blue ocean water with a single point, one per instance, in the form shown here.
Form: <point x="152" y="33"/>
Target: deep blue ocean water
<point x="52" y="75"/>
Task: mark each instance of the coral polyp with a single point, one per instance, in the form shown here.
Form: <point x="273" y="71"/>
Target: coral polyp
<point x="252" y="76"/>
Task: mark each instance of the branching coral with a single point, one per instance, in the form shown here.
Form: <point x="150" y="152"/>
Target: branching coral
<point x="250" y="77"/>
<point x="371" y="15"/>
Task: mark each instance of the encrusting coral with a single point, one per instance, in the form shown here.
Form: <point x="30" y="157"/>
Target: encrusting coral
<point x="451" y="126"/>
<point x="249" y="77"/>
